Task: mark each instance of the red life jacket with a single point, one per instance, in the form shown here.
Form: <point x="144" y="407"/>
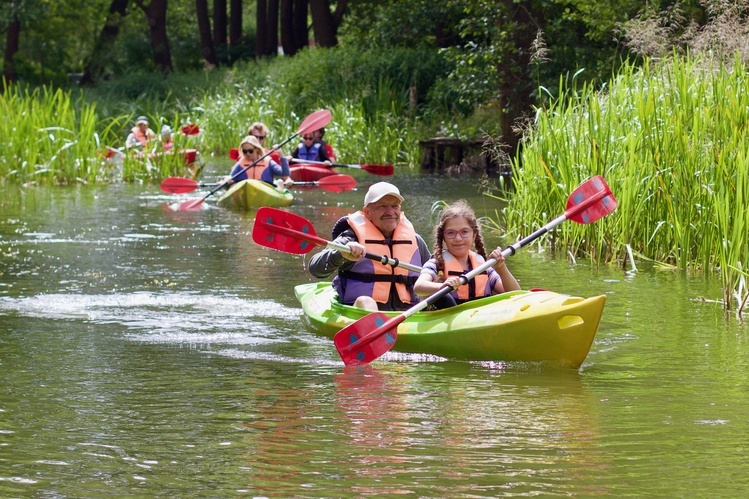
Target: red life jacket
<point x="273" y="155"/>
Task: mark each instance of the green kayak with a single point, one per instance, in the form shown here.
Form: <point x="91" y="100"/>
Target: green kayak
<point x="252" y="193"/>
<point x="516" y="326"/>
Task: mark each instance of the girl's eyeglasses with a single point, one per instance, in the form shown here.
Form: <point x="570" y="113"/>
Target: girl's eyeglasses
<point x="247" y="151"/>
<point x="464" y="233"/>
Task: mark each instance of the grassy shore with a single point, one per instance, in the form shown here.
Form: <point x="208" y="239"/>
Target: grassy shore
<point x="61" y="136"/>
<point x="672" y="143"/>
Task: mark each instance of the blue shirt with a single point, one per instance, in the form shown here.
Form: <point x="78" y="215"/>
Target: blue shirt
<point x="272" y="171"/>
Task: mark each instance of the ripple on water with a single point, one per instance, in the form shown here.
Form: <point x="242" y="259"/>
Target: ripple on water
<point x="172" y="318"/>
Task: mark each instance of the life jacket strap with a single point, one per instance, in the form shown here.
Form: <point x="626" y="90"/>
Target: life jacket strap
<point x="396" y="278"/>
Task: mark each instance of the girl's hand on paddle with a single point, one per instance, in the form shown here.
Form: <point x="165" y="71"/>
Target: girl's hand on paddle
<point x="497" y="255"/>
<point x="357" y="251"/>
<point x="288" y="182"/>
<point x="453" y="282"/>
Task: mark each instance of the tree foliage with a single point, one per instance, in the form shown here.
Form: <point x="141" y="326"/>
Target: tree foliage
<point x="501" y="55"/>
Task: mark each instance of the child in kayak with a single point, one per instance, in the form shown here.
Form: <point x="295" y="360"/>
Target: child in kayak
<point x="311" y="149"/>
<point x="319" y="136"/>
<point x="167" y="138"/>
<point x="456" y="235"/>
<point x="267" y="170"/>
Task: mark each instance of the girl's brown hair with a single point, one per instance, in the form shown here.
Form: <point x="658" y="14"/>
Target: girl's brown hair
<point x="457" y="209"/>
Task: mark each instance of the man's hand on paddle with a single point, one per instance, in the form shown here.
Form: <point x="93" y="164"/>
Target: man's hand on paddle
<point x="357" y="251"/>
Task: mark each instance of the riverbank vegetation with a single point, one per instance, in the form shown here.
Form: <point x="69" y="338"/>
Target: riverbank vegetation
<point x="366" y="92"/>
<point x="384" y="71"/>
<point x="670" y="138"/>
<point x="666" y="130"/>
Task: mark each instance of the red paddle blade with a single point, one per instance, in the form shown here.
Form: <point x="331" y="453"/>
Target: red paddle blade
<point x="190" y="129"/>
<point x="315" y="121"/>
<point x="591" y="200"/>
<point x="178" y="185"/>
<point x="190" y="156"/>
<point x="234" y="153"/>
<point x="367" y="339"/>
<point x="337" y="183"/>
<point x="382" y="170"/>
<point x="192" y="205"/>
<point x="271" y="222"/>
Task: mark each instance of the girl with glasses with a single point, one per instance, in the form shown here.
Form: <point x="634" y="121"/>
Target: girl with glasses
<point x="456" y="236"/>
<point x="251" y="166"/>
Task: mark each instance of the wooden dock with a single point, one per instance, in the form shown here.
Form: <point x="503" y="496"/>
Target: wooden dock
<point x="456" y="155"/>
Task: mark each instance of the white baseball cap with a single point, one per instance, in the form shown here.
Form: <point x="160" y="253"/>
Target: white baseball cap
<point x="141" y="120"/>
<point x="379" y="191"/>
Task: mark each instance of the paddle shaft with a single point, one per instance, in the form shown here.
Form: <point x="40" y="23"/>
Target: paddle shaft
<point x="340" y="247"/>
<point x="323" y="163"/>
<point x="508" y="251"/>
<point x="213" y="184"/>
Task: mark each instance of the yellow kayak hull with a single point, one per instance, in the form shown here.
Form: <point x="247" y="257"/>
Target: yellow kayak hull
<point x="527" y="326"/>
<point x="248" y="194"/>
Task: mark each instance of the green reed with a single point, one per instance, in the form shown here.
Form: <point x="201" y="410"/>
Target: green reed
<point x="361" y="131"/>
<point x="671" y="142"/>
<point x="55" y="138"/>
<point x="48" y="137"/>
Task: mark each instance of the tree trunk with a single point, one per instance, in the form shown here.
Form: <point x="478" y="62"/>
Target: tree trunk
<point x="97" y="64"/>
<point x="204" y="28"/>
<point x="287" y="27"/>
<point x="271" y="40"/>
<point x="325" y="23"/>
<point x="12" y="39"/>
<point x="235" y="26"/>
<point x="156" y="16"/>
<point x="262" y="30"/>
<point x="293" y="26"/>
<point x="267" y="28"/>
<point x="219" y="30"/>
<point x="515" y="83"/>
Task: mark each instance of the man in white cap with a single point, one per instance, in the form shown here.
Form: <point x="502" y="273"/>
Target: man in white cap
<point x="140" y="134"/>
<point x="381" y="228"/>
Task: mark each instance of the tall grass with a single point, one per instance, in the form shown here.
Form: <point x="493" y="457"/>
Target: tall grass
<point x="50" y="137"/>
<point x="58" y="138"/>
<point x="672" y="142"/>
<point x="47" y="137"/>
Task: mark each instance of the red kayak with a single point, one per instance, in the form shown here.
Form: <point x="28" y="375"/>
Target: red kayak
<point x="303" y="172"/>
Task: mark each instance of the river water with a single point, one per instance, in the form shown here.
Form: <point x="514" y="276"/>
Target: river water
<point x="146" y="352"/>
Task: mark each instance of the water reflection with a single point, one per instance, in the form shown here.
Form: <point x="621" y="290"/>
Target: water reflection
<point x="464" y="426"/>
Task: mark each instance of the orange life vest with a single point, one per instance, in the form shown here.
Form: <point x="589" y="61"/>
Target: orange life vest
<point x="476" y="287"/>
<point x="403" y="247"/>
<point x="256" y="171"/>
<point x="142" y="137"/>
